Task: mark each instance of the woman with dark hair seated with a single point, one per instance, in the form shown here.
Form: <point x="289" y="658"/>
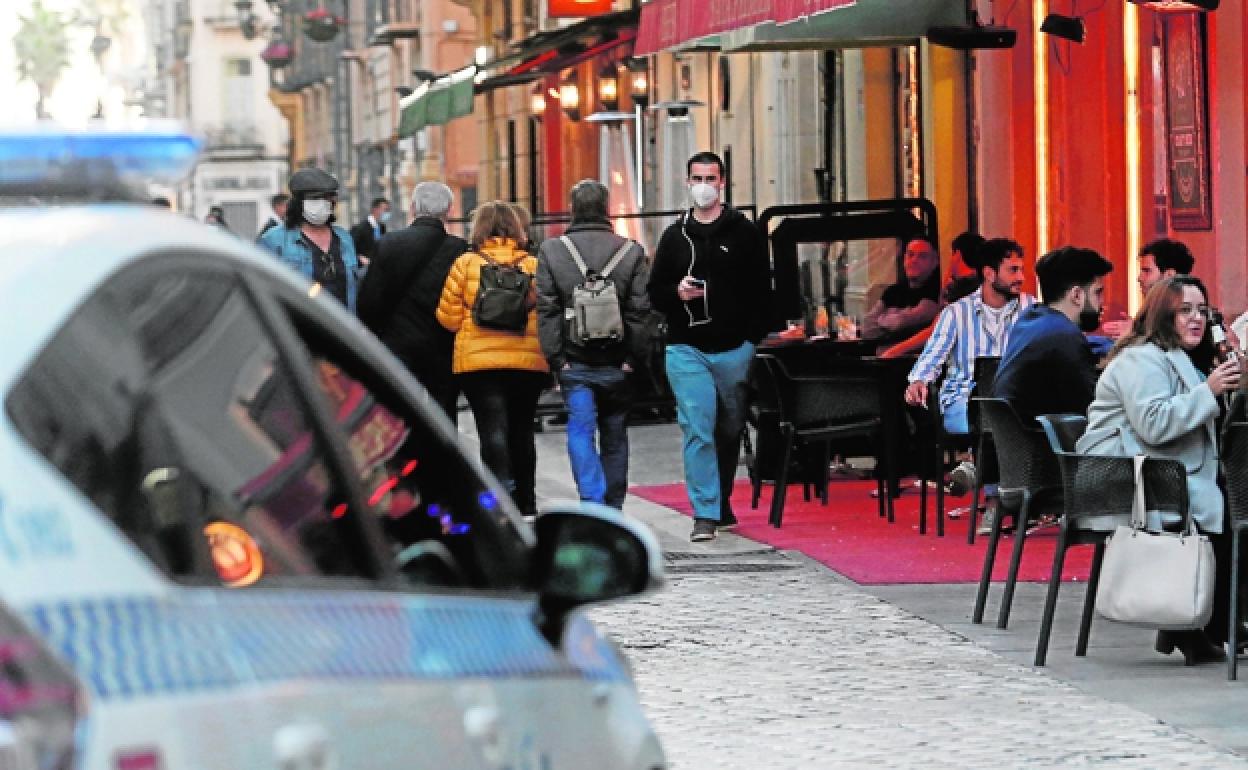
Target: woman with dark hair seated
<point x="1158" y="397"/>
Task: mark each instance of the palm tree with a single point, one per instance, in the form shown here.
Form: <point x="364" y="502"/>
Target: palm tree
<point x="42" y="48"/>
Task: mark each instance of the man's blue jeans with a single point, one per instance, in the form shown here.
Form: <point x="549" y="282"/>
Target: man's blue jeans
<point x="598" y="398"/>
<point x="710" y="405"/>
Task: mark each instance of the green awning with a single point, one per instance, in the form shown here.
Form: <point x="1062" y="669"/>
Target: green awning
<point x="436" y="104"/>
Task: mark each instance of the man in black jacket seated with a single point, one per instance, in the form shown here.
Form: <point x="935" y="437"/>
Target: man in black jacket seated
<point x="1048" y="366"/>
<point x="400" y="292"/>
<point x="711" y="279"/>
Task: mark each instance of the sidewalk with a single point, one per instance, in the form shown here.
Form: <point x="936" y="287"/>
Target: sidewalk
<point x="755" y="658"/>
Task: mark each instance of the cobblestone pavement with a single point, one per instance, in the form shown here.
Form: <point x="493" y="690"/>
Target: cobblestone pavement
<point x="779" y="664"/>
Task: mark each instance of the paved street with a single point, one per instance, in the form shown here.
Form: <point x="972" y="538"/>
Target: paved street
<point x="754" y="658"/>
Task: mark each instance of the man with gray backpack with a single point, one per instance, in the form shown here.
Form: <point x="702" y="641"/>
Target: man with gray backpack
<point x="591" y="311"/>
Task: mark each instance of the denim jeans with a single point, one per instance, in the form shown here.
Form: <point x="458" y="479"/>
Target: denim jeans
<point x="504" y="405"/>
<point x="710" y="406"/>
<point x="598" y="398"/>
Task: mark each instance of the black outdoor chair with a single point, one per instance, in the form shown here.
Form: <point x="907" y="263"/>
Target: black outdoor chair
<point x="940" y="442"/>
<point x="1097" y="495"/>
<point x="1235" y="468"/>
<point x="816" y="410"/>
<point x="763" y="451"/>
<point x="985" y="451"/>
<point x="1030" y="483"/>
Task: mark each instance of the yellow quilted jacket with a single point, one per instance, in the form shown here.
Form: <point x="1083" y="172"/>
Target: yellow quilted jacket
<point x="477" y="349"/>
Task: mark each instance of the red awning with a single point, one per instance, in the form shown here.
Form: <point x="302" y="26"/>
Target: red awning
<point x="670" y="23"/>
<point x="792" y="10"/>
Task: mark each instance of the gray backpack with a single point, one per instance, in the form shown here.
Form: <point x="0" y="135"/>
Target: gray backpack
<point x="594" y="316"/>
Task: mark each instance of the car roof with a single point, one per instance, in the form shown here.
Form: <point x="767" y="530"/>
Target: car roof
<point x="54" y="257"/>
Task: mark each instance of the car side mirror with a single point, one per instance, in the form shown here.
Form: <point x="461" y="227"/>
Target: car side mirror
<point x="588" y="553"/>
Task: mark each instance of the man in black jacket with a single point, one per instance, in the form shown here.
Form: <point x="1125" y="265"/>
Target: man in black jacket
<point x="593" y="376"/>
<point x="712" y="280"/>
<point x="400" y="292"/>
<point x="368" y="233"/>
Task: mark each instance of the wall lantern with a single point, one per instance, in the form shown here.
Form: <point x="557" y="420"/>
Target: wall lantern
<point x="1179" y="5"/>
<point x="609" y="88"/>
<point x="537" y="102"/>
<point x="246" y="19"/>
<point x="1066" y="27"/>
<point x="639" y="82"/>
<point x="570" y="96"/>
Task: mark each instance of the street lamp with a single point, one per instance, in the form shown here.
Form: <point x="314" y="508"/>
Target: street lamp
<point x="246" y="19"/>
<point x="639" y="82"/>
<point x="570" y="96"/>
<point x="537" y="102"/>
<point x="609" y="88"/>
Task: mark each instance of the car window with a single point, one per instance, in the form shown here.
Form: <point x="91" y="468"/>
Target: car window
<point x="442" y="523"/>
<point x="166" y="403"/>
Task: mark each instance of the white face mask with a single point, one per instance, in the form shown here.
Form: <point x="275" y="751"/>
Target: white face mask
<point x="704" y="195"/>
<point x="317" y="212"/>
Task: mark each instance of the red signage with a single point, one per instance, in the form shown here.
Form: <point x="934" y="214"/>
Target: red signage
<point x="669" y="23"/>
<point x="564" y="8"/>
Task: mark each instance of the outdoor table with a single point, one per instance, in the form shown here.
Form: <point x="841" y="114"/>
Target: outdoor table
<point x="829" y="357"/>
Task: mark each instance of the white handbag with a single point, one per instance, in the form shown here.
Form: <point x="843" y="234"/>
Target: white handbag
<point x="1160" y="580"/>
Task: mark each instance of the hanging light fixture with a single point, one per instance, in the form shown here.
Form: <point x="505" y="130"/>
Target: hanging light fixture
<point x="570" y="96"/>
<point x="1066" y="27"/>
<point x="609" y="88"/>
<point x="639" y="82"/>
<point x="537" y="102"/>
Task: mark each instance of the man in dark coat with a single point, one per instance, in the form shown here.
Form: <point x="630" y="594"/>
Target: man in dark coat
<point x="367" y="233"/>
<point x="400" y="292"/>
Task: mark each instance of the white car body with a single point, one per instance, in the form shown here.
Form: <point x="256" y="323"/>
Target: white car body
<point x="177" y="675"/>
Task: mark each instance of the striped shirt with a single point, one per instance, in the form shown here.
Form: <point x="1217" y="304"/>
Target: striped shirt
<point x="959" y="337"/>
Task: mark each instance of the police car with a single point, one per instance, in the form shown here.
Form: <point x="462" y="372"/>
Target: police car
<point x="235" y="533"/>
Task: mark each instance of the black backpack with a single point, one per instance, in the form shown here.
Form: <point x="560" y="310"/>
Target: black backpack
<point x="503" y="297"/>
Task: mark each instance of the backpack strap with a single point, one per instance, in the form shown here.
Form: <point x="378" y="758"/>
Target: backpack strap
<point x="576" y="255"/>
<point x="617" y="257"/>
<point x="615" y="260"/>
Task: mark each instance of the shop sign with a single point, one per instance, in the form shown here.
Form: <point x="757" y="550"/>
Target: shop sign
<point x="1187" y="139"/>
<point x="577" y="8"/>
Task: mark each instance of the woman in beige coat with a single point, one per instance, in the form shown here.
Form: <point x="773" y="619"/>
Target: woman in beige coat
<point x="502" y="373"/>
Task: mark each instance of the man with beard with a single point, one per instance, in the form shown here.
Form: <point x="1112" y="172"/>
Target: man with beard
<point x="1048" y="366"/>
<point x="974" y="326"/>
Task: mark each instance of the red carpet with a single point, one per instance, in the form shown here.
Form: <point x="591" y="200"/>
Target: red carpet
<point x="849" y="536"/>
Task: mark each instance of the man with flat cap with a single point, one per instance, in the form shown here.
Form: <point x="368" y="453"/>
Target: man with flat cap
<point x="310" y="242"/>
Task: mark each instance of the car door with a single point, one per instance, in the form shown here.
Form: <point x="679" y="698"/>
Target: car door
<point x="518" y="701"/>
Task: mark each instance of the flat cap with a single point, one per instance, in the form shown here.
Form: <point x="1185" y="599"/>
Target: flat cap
<point x="312" y="180"/>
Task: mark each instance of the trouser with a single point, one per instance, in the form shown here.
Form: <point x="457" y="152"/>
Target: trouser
<point x="439" y="382"/>
<point x="710" y="406"/>
<point x="598" y="399"/>
<point x="504" y="405"/>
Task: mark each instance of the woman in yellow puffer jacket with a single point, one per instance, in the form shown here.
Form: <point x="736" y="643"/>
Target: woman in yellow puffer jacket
<point x="502" y="373"/>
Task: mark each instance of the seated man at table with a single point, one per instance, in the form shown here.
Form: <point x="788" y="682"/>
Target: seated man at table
<point x="1048" y="366"/>
<point x="962" y="280"/>
<point x="912" y="302"/>
<point x="976" y="325"/>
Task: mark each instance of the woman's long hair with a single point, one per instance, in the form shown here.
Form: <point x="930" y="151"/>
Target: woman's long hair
<point x="495" y="219"/>
<point x="1156" y="321"/>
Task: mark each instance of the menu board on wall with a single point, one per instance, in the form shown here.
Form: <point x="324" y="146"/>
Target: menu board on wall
<point x="1187" y="141"/>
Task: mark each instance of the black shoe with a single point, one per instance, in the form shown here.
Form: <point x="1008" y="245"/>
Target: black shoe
<point x="727" y="521"/>
<point x="703" y="530"/>
<point x="1194" y="645"/>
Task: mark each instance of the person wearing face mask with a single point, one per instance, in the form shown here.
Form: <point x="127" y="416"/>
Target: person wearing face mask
<point x="309" y="241"/>
<point x="1048" y="367"/>
<point x="711" y="280"/>
<point x="367" y="233"/>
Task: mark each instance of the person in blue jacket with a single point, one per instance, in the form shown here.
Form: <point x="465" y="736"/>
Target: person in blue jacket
<point x="310" y="242"/>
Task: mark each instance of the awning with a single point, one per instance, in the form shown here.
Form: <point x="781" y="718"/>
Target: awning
<point x="667" y="24"/>
<point x="861" y="24"/>
<point x="437" y="103"/>
<point x="565" y="41"/>
<point x="553" y="61"/>
<point x="793" y="10"/>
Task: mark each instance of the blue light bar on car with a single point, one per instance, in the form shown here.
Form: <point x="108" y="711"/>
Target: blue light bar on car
<point x="50" y="156"/>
